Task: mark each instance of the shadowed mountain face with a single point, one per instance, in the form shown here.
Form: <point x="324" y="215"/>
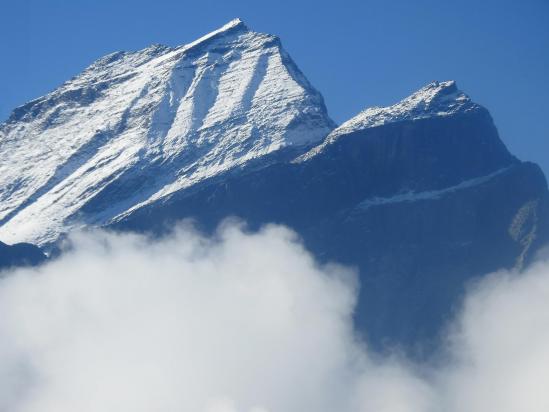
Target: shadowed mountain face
<point x="421" y="196"/>
<point x="420" y="205"/>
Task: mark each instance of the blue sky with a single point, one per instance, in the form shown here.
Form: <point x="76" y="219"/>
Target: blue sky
<point x="357" y="53"/>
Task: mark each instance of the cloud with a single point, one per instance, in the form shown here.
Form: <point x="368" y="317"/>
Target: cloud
<point x="247" y="322"/>
<point x="500" y="348"/>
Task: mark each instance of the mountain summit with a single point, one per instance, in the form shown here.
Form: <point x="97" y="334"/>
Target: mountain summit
<point x="420" y="196"/>
<point x="135" y="127"/>
<point x="437" y="99"/>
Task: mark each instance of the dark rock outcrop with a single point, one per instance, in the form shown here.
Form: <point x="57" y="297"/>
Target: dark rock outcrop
<point x="20" y="254"/>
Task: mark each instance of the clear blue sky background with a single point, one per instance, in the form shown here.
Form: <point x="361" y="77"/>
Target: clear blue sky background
<point x="357" y="53"/>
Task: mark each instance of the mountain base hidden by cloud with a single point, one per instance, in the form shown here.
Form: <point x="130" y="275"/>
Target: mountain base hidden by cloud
<point x="243" y="322"/>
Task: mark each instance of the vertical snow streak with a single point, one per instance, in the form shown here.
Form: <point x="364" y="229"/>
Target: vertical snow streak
<point x="207" y="88"/>
<point x="166" y="112"/>
<point x="253" y="86"/>
<point x="237" y="88"/>
<point x="195" y="105"/>
<point x="272" y="96"/>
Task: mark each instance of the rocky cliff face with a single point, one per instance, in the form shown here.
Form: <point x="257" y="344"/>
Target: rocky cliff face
<point x="421" y="196"/>
<point x="420" y="204"/>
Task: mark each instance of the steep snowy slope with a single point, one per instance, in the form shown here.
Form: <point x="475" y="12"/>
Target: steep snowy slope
<point x="135" y="127"/>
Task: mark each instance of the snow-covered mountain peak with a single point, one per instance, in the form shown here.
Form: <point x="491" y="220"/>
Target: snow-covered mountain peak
<point x="234" y="24"/>
<point x="233" y="28"/>
<point x="135" y="127"/>
<point x="437" y="99"/>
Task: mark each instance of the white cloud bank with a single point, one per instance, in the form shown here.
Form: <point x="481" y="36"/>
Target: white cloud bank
<point x="247" y="323"/>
